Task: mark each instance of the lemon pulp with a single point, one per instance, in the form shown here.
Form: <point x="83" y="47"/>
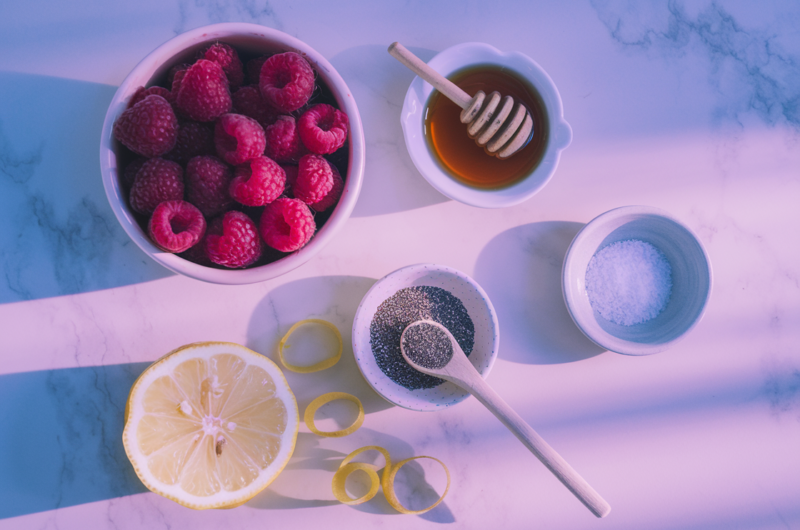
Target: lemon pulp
<point x="210" y="425"/>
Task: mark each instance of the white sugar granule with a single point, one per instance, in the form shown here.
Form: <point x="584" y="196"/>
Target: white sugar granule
<point x="629" y="282"/>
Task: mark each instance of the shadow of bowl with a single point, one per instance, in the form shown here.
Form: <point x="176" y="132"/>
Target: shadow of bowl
<point x="520" y="269"/>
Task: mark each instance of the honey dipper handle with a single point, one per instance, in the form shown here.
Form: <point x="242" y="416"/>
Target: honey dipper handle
<point x="439" y="82"/>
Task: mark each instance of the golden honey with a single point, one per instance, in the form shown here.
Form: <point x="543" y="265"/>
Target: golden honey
<point x="459" y="155"/>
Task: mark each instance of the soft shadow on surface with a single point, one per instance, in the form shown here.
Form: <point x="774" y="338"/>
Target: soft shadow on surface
<point x="520" y="269"/>
<point x="58" y="234"/>
<point x="379" y="84"/>
<point x="331" y="298"/>
<point x="61" y="438"/>
<point x="306" y="480"/>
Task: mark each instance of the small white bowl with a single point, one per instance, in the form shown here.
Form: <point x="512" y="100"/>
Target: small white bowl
<point x="691" y="279"/>
<point x="255" y="39"/>
<point x="480" y="309"/>
<point x="413" y="114"/>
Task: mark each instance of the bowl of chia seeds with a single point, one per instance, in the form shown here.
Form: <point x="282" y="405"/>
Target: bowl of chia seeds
<point x="636" y="280"/>
<point x="422" y="292"/>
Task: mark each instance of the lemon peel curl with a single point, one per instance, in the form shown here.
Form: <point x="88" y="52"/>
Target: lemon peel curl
<point x="322" y="365"/>
<point x="386" y="481"/>
<point x="311" y="410"/>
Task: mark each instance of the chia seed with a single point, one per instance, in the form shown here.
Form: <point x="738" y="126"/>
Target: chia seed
<point x="427" y="346"/>
<point x="411" y="305"/>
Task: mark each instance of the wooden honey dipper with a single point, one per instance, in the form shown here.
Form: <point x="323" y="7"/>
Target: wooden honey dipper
<point x="496" y="123"/>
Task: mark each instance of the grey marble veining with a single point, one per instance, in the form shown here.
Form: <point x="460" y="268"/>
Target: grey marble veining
<point x="748" y="65"/>
<point x="60" y="234"/>
<point x="61" y="437"/>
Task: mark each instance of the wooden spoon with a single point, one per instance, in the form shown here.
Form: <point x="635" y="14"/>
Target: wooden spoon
<point x="496" y="123"/>
<point x="430" y="348"/>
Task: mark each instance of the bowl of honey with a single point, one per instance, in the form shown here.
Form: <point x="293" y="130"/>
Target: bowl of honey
<point x="451" y="161"/>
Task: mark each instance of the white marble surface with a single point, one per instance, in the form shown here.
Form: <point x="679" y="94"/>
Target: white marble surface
<point x="693" y="107"/>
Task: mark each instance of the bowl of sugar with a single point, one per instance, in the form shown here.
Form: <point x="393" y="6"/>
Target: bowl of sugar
<point x="636" y="280"/>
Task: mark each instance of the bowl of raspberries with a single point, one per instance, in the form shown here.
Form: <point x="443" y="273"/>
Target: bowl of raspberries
<point x="232" y="153"/>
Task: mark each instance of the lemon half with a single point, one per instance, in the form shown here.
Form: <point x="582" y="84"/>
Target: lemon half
<point x="210" y="425"/>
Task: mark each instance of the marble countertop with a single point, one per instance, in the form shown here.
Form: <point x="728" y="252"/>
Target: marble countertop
<point x="692" y="107"/>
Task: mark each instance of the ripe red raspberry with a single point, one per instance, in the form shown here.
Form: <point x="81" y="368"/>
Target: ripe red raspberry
<point x="176" y="226"/>
<point x="228" y="59"/>
<point x="248" y="101"/>
<point x="143" y="92"/>
<point x="323" y="129"/>
<point x="207" y="182"/>
<point x="332" y="196"/>
<point x="149" y="128"/>
<point x="194" y="139"/>
<point x="238" y="138"/>
<point x="253" y="69"/>
<point x="258" y="183"/>
<point x="286" y="81"/>
<point x="203" y="93"/>
<point x="175" y="75"/>
<point x="291" y="178"/>
<point x="197" y="254"/>
<point x="286" y="224"/>
<point x="283" y="140"/>
<point x="157" y="181"/>
<point x="314" y="179"/>
<point x="130" y="171"/>
<point x="232" y="240"/>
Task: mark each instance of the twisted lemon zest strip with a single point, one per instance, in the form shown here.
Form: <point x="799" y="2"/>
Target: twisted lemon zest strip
<point x="311" y="410"/>
<point x="391" y="497"/>
<point x="322" y="365"/>
<point x="347" y="467"/>
<point x="386" y="481"/>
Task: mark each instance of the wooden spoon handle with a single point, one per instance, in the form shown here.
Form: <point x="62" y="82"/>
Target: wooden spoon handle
<point x="536" y="444"/>
<point x="437" y="80"/>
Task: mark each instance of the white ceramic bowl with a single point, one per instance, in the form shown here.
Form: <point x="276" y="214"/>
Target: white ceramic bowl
<point x="412" y="119"/>
<point x="479" y="308"/>
<point x="255" y="39"/>
<point x="691" y="279"/>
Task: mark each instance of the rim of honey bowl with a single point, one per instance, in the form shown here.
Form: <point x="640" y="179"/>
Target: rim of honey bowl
<point x="413" y="115"/>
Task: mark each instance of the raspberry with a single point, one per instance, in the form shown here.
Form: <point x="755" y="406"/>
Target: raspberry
<point x="157" y="181"/>
<point x="286" y="81"/>
<point x="207" y="182"/>
<point x="197" y="254"/>
<point x="323" y="129"/>
<point x="286" y="224"/>
<point x="332" y="196"/>
<point x="314" y="179"/>
<point x="248" y="101"/>
<point x="238" y="138"/>
<point x="149" y="128"/>
<point x="258" y="183"/>
<point x="228" y="59"/>
<point x="253" y="69"/>
<point x="129" y="174"/>
<point x="176" y="226"/>
<point x="203" y="93"/>
<point x="143" y="92"/>
<point x="194" y="139"/>
<point x="291" y="178"/>
<point x="175" y="75"/>
<point x="232" y="240"/>
<point x="283" y="140"/>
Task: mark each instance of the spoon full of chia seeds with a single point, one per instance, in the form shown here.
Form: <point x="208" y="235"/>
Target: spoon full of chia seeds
<point x="430" y="348"/>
